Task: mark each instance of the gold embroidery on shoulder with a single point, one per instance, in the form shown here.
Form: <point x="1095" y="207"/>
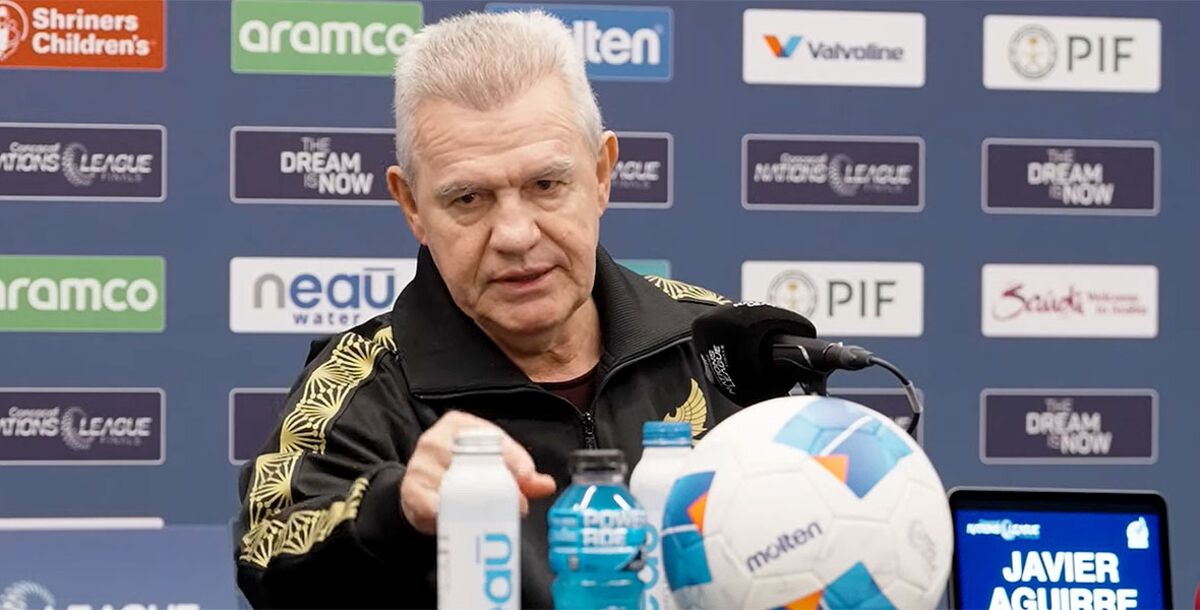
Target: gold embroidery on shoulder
<point x="385" y="338"/>
<point x="322" y="397"/>
<point x="681" y="291"/>
<point x="694" y="411"/>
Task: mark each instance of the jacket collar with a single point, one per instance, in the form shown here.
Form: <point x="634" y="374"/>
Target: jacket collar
<point x="443" y="352"/>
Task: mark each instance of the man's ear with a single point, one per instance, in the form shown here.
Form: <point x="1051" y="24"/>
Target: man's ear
<point x="401" y="190"/>
<point x="606" y="161"/>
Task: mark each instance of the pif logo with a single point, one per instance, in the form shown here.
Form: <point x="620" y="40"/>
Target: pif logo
<point x="83" y="34"/>
<point x="352" y="38"/>
<point x="617" y="42"/>
<point x="82" y="293"/>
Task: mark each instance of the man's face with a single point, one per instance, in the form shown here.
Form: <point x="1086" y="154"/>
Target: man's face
<point x="509" y="203"/>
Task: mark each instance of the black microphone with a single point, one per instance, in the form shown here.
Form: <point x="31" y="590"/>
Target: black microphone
<point x="754" y="352"/>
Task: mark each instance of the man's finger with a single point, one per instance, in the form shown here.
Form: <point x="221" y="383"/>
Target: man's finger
<point x="537" y="485"/>
<point x="519" y="462"/>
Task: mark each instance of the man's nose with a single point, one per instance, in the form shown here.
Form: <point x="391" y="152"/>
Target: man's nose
<point x="515" y="228"/>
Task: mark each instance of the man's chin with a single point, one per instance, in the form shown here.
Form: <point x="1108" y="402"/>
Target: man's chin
<point x="528" y="320"/>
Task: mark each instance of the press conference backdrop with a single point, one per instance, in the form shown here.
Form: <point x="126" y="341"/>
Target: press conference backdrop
<point x="996" y="196"/>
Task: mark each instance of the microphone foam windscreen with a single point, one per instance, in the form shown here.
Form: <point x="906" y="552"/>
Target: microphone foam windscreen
<point x="734" y="342"/>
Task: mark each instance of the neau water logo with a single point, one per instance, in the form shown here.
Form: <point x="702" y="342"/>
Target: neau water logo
<point x="310" y="165"/>
<point x="1005" y="529"/>
<point x="1048" y="426"/>
<point x="617" y="42"/>
<point x="496" y="553"/>
<point x="642" y="177"/>
<point x="350" y="38"/>
<point x="90" y="426"/>
<point x="81" y="162"/>
<point x="82" y="293"/>
<point x="833" y="173"/>
<point x="83" y="34"/>
<point x="30" y="595"/>
<point x="843" y="298"/>
<point x="312" y="295"/>
<point x="800" y="47"/>
<point x="1109" y="301"/>
<point x="253" y="415"/>
<point x="1070" y="177"/>
<point x="1071" y="53"/>
<point x="785" y="543"/>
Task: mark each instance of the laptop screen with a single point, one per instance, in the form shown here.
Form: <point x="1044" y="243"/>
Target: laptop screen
<point x="1059" y="552"/>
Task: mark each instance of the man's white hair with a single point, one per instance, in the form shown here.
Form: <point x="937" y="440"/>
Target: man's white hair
<point x="484" y="60"/>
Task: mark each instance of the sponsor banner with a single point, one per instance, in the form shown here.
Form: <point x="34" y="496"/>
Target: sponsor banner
<point x="1057" y="426"/>
<point x="82" y="293"/>
<point x="850" y="299"/>
<point x="891" y="402"/>
<point x="864" y="48"/>
<point x="83" y="34"/>
<point x="617" y="42"/>
<point x="343" y="37"/>
<point x="312" y="295"/>
<point x="253" y="415"/>
<point x="1072" y="53"/>
<point x="833" y="173"/>
<point x="75" y="566"/>
<point x="82" y="162"/>
<point x="310" y="165"/>
<point x="1070" y="301"/>
<point x="1112" y="177"/>
<point x="82" y="426"/>
<point x="642" y="177"/>
<point x="648" y="266"/>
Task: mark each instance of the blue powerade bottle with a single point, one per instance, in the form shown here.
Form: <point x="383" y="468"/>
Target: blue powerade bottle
<point x="597" y="536"/>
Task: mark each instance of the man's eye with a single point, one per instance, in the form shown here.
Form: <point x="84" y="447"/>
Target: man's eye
<point x="547" y="185"/>
<point x="467" y="199"/>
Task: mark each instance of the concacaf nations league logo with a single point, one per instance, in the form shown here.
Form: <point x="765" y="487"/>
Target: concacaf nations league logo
<point x="25" y="595"/>
<point x="1032" y="51"/>
<point x="14" y="28"/>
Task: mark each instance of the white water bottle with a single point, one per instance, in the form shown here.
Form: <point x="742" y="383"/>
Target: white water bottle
<point x="478" y="527"/>
<point x="665" y="447"/>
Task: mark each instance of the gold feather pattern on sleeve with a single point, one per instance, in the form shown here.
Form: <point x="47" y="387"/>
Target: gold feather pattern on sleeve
<point x="693" y="411"/>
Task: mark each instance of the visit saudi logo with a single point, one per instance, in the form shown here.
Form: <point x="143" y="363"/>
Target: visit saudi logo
<point x="82" y="293"/>
<point x="343" y="37"/>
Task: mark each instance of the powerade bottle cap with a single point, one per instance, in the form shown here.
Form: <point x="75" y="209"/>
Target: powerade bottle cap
<point x="666" y="434"/>
<point x="597" y="461"/>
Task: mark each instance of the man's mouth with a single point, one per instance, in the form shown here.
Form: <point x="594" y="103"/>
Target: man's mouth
<point x="524" y="277"/>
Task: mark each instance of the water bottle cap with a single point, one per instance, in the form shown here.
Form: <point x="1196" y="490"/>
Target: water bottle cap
<point x="478" y="440"/>
<point x="666" y="434"/>
<point x="585" y="461"/>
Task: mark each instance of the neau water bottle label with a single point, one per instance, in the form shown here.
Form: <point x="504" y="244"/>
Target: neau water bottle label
<point x="479" y="568"/>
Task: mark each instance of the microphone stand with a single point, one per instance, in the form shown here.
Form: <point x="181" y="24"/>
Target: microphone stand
<point x="815" y="382"/>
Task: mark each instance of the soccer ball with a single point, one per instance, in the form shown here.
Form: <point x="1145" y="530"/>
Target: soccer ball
<point x="807" y="502"/>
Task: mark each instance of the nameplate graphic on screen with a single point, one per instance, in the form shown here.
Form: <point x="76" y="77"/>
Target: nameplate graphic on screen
<point x="82" y="293"/>
<point x="642" y="176"/>
<point x="1070" y="177"/>
<point x="310" y="165"/>
<point x="833" y="173"/>
<point x="312" y="295"/>
<point x="617" y="42"/>
<point x="1051" y="426"/>
<point x="1098" y="301"/>
<point x="850" y="299"/>
<point x="862" y="48"/>
<point x="253" y="415"/>
<point x="647" y="266"/>
<point x="82" y="426"/>
<point x="1071" y="53"/>
<point x="344" y="37"/>
<point x="82" y="162"/>
<point x="83" y="34"/>
<point x="176" y="567"/>
<point x="1018" y="559"/>
<point x="892" y="403"/>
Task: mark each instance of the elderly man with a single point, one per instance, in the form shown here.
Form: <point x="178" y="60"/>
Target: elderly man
<point x="516" y="319"/>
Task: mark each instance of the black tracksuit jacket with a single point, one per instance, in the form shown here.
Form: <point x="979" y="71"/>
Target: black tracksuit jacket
<point x="321" y="525"/>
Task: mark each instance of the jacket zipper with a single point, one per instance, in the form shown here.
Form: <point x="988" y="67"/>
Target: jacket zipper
<point x="589" y="430"/>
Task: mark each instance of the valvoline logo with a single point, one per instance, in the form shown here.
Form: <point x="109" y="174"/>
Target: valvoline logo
<point x="618" y="42"/>
<point x="785" y="48"/>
